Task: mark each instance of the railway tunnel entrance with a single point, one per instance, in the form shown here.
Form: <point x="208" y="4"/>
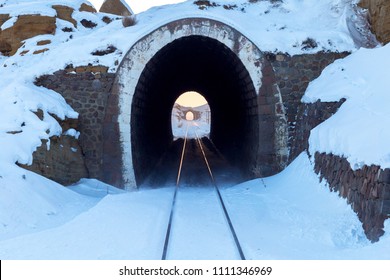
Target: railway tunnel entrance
<point x="247" y="119"/>
<point x="194" y="63"/>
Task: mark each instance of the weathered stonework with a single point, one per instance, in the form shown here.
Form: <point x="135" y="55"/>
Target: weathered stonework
<point x="86" y="91"/>
<point x="309" y="116"/>
<point x="61" y="159"/>
<point x="366" y="189"/>
<point x="63" y="162"/>
<point x="293" y="75"/>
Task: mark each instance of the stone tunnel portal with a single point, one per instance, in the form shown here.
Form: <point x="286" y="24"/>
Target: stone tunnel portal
<point x="194" y="63"/>
<point x="248" y="123"/>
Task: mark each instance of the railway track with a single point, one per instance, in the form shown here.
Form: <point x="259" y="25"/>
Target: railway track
<point x="190" y="148"/>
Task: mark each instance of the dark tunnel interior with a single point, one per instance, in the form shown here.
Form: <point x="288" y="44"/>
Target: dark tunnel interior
<point x="205" y="65"/>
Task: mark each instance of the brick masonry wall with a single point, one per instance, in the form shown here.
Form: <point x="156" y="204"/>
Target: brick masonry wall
<point x="86" y="90"/>
<point x="366" y="189"/>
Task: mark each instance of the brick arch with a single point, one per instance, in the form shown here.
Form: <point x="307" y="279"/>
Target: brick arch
<point x="260" y="134"/>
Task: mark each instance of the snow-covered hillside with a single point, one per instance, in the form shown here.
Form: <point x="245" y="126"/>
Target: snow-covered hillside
<point x="41" y="219"/>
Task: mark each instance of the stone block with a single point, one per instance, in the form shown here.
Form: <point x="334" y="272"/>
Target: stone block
<point x="385" y="207"/>
<point x="384" y="176"/>
<point x="386" y="192"/>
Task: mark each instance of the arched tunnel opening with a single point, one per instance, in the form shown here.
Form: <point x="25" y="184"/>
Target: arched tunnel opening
<point x="191" y="116"/>
<point x="202" y="64"/>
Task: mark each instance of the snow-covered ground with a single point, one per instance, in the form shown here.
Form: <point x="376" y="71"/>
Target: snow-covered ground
<point x="288" y="216"/>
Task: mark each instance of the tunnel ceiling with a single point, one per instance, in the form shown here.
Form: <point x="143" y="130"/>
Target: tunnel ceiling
<point x="202" y="64"/>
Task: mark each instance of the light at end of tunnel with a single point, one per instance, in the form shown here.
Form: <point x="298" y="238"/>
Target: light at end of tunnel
<point x="191" y="99"/>
<point x="190" y="116"/>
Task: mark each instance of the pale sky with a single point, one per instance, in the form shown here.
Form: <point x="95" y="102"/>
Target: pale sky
<point x="139" y="5"/>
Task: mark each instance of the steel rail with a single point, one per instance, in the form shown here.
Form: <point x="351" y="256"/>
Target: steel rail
<point x="232" y="230"/>
<point x="168" y="233"/>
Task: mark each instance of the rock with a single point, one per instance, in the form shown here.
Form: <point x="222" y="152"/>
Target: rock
<point x="3" y="18"/>
<point x="43" y="42"/>
<point x="88" y="24"/>
<point x="91" y="69"/>
<point x="116" y="7"/>
<point x="65" y="13"/>
<point x="24" y="52"/>
<point x="379" y="18"/>
<point x="40" y="51"/>
<point x="87" y="8"/>
<point x="386" y="207"/>
<point x="26" y="26"/>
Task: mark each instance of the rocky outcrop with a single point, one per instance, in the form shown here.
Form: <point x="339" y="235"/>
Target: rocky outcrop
<point x="379" y="11"/>
<point x="28" y="26"/>
<point x="116" y="7"/>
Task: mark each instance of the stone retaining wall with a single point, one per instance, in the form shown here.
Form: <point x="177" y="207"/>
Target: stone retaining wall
<point x="293" y="75"/>
<point x="366" y="189"/>
<point x="309" y="116"/>
<point x="86" y="90"/>
<point x="62" y="160"/>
